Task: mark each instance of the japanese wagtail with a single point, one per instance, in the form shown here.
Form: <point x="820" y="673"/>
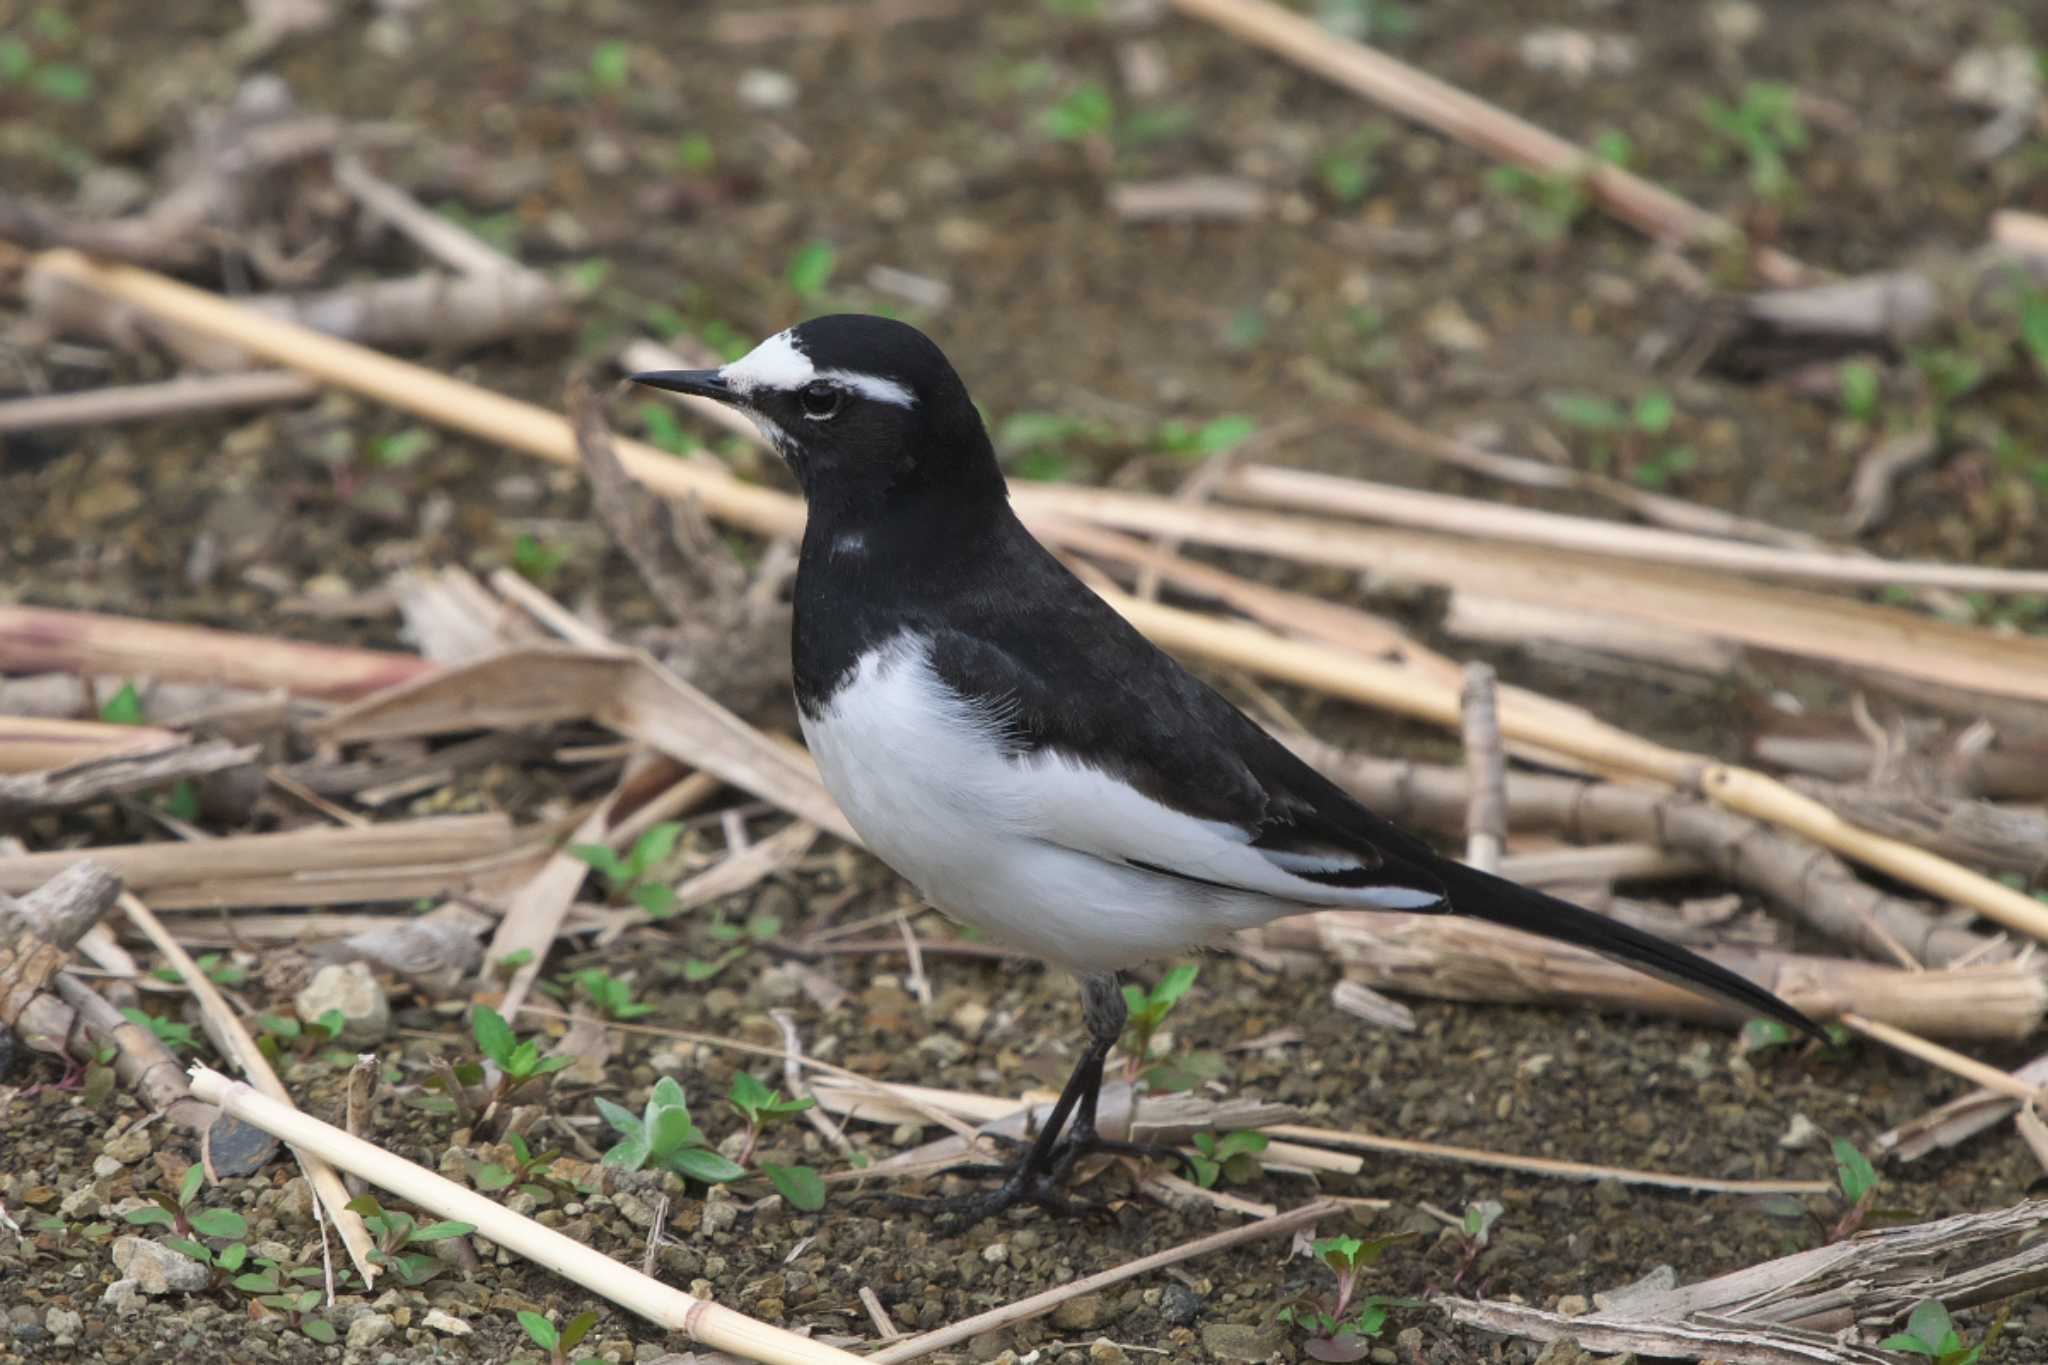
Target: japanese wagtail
<point x="1021" y="754"/>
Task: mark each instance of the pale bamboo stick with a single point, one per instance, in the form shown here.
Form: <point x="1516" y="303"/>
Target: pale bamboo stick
<point x="699" y="1319"/>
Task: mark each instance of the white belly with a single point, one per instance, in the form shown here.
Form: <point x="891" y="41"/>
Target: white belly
<point x="920" y="774"/>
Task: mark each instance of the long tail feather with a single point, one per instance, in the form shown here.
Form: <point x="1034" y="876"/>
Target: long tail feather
<point x="1498" y="901"/>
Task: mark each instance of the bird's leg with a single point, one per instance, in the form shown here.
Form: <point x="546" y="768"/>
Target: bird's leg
<point x="1035" y="1179"/>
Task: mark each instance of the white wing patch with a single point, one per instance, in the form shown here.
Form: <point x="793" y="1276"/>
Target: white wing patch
<point x="780" y="365"/>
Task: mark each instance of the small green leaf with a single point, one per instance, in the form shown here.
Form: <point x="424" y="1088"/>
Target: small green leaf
<point x="668" y="1094"/>
<point x="1930" y="1322"/>
<point x="195" y="1176"/>
<point x="1204" y="1170"/>
<point x="232" y="1258"/>
<point x="603" y="860"/>
<point x="656" y="846"/>
<point x="319" y="1329"/>
<point x="631" y="1154"/>
<point x="1856" y="1176"/>
<point x="513" y="961"/>
<point x="810" y="271"/>
<point x="149" y="1218"/>
<point x="611" y="64"/>
<point x="670" y="1130"/>
<point x="578" y="1328"/>
<point x="442" y="1231"/>
<point x="1584" y="410"/>
<point x="1175" y="984"/>
<point x="188" y="1247"/>
<point x="701" y="1163"/>
<point x="749" y="1096"/>
<point x="622" y="1119"/>
<point x="494" y="1037"/>
<point x="540" y="1329"/>
<point x="1654" y="411"/>
<point x="657" y="899"/>
<point x="401" y="448"/>
<point x="252" y="1283"/>
<point x="124" y="707"/>
<point x="219" y="1223"/>
<point x="800" y="1185"/>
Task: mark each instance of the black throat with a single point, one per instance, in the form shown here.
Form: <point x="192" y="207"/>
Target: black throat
<point x="882" y="561"/>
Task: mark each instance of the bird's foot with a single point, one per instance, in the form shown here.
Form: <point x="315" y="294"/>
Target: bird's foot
<point x="1022" y="1184"/>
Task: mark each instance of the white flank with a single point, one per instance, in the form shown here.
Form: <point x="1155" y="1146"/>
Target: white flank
<point x="1037" y="851"/>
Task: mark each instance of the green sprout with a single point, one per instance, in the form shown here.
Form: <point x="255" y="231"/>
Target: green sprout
<point x="290" y="1290"/>
<point x="1932" y="1333"/>
<point x="763" y="1108"/>
<point x="1766" y="128"/>
<point x="1148" y="1010"/>
<point x="172" y="1034"/>
<point x="124" y="707"/>
<point x="1234" y="1155"/>
<point x="811" y="269"/>
<point x="613" y="997"/>
<point x="536" y="560"/>
<point x="394" y="1233"/>
<point x="1473" y="1234"/>
<point x="188" y="1224"/>
<point x="1862" y="388"/>
<point x="1087" y="112"/>
<point x="631" y="877"/>
<point x="1216" y="437"/>
<point x="1343" y="1327"/>
<point x="558" y="1342"/>
<point x="663" y="1136"/>
<point x="215" y="967"/>
<point x="756" y="929"/>
<point x="1632" y="432"/>
<point x="529" y="1171"/>
<point x="282" y="1033"/>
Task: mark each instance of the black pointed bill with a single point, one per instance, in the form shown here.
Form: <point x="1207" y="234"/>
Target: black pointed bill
<point x="698" y="383"/>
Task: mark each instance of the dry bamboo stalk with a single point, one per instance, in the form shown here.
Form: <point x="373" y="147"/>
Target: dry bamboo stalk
<point x="1881" y="639"/>
<point x="920" y="1346"/>
<point x="1486" y="815"/>
<point x="32" y="744"/>
<point x="700" y="1320"/>
<point x="1795" y="622"/>
<point x="44" y="639"/>
<point x="150" y="402"/>
<point x="1540" y="1165"/>
<point x="1948" y="1059"/>
<point x="1331" y="494"/>
<point x="235" y="1042"/>
<point x="1956" y="1121"/>
<point x="182" y="869"/>
<point x="1649" y="208"/>
<point x="97" y="779"/>
<point x="623" y="689"/>
<point x="1459" y="959"/>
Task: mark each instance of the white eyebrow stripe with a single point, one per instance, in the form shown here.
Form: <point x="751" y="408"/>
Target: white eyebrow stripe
<point x="776" y="363"/>
<point x="872" y="386"/>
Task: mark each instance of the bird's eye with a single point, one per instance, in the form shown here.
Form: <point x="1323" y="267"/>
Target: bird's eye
<point x="821" y="401"/>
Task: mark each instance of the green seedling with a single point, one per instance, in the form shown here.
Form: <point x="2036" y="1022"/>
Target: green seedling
<point x="1862" y="387"/>
<point x="1215" y="437"/>
<point x="613" y="997"/>
<point x="1343" y="1327"/>
<point x="31" y="61"/>
<point x="402" y="448"/>
<point x="529" y="1171"/>
<point x="536" y="560"/>
<point x="757" y="928"/>
<point x="664" y="1137"/>
<point x="288" y="1290"/>
<point x="1232" y="1155"/>
<point x="56" y="1237"/>
<point x="1932" y="1333"/>
<point x="664" y="431"/>
<point x="1549" y="204"/>
<point x="1633" y="433"/>
<point x="188" y="1224"/>
<point x="1856" y="1186"/>
<point x="1473" y="1234"/>
<point x="215" y="967"/>
<point x="611" y="65"/>
<point x="1766" y="129"/>
<point x="558" y="1342"/>
<point x="763" y="1108"/>
<point x="513" y="961"/>
<point x="395" y="1233"/>
<point x="631" y="877"/>
<point x="518" y="1060"/>
<point x="124" y="707"/>
<point x="172" y="1034"/>
<point x="282" y="1033"/>
<point x="811" y="270"/>
<point x="1043" y="445"/>
<point x="1148" y="1011"/>
<point x="1350" y="169"/>
<point x="1087" y="112"/>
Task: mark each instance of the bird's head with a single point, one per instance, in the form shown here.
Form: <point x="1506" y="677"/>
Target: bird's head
<point x="863" y="408"/>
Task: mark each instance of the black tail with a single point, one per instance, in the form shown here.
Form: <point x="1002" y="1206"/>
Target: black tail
<point x="1498" y="901"/>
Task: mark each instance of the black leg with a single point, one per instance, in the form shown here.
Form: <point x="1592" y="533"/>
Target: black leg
<point x="1035" y="1179"/>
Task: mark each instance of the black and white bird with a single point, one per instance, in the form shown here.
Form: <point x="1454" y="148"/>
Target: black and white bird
<point x="1020" y="753"/>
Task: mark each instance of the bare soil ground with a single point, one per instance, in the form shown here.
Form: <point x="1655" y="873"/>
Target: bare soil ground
<point x="1390" y="272"/>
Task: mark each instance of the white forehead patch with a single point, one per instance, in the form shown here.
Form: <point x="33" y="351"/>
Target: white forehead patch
<point x="775" y="364"/>
<point x="780" y="364"/>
